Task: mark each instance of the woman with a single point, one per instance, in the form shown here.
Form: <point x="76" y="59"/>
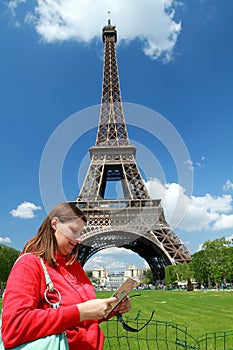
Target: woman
<point x="26" y="314"/>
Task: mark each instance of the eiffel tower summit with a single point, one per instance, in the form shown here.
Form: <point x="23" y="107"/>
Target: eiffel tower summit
<point x="135" y="222"/>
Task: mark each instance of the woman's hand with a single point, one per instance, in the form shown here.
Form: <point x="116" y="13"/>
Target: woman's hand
<point x="95" y="309"/>
<point x="124" y="306"/>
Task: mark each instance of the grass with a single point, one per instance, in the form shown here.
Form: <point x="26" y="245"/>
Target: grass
<point x="202" y="312"/>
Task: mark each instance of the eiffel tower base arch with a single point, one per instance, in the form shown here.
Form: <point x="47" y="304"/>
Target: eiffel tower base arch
<point x="155" y="260"/>
<point x="137" y="225"/>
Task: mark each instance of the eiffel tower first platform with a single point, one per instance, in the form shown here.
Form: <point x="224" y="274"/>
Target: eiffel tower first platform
<point x="137" y="221"/>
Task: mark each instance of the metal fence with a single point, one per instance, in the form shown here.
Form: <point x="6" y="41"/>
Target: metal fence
<point x="161" y="335"/>
<point x="216" y="340"/>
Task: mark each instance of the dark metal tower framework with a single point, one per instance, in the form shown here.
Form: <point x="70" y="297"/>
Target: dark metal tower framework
<point x="137" y="221"/>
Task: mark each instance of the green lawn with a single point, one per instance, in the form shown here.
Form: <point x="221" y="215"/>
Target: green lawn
<point x="202" y="312"/>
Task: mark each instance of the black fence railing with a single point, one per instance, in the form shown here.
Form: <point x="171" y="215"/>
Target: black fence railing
<point x="161" y="335"/>
<point x="216" y="340"/>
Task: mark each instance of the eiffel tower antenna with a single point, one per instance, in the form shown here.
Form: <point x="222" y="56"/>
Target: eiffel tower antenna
<point x="136" y="221"/>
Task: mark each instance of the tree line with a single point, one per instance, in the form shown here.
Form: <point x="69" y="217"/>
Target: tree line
<point x="8" y="256"/>
<point x="212" y="266"/>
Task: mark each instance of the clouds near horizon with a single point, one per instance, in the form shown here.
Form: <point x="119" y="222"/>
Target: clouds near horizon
<point x="5" y="240"/>
<point x="193" y="213"/>
<point x="113" y="258"/>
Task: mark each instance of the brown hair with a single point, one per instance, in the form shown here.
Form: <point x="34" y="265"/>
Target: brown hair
<point x="44" y="243"/>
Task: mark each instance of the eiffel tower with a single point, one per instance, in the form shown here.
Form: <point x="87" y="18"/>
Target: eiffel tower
<point x="137" y="221"/>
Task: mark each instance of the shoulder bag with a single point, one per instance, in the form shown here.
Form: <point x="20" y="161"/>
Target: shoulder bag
<point x="51" y="342"/>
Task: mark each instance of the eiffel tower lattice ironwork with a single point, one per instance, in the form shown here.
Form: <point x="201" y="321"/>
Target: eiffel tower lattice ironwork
<point x="137" y="221"/>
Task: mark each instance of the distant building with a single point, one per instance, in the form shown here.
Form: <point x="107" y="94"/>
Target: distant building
<point x="114" y="280"/>
<point x="133" y="271"/>
<point x="101" y="274"/>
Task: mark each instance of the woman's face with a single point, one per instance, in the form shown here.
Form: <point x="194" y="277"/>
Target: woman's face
<point x="68" y="234"/>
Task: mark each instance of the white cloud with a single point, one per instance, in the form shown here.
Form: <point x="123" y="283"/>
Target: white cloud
<point x="13" y="4"/>
<point x="115" y="259"/>
<point x="200" y="164"/>
<point x="115" y="251"/>
<point x="228" y="185"/>
<point x="174" y="200"/>
<point x="223" y="222"/>
<point x="195" y="213"/>
<point x="5" y="240"/>
<point x="107" y="261"/>
<point x="152" y="22"/>
<point x="25" y="210"/>
<point x="116" y="265"/>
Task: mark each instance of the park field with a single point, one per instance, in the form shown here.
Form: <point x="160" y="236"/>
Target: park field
<point x="202" y="312"/>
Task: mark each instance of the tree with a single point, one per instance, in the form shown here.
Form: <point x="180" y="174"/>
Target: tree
<point x="170" y="276"/>
<point x="8" y="256"/>
<point x="89" y="273"/>
<point x="213" y="264"/>
<point x="149" y="276"/>
<point x="178" y="273"/>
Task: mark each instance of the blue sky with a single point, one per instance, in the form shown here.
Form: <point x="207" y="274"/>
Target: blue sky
<point x="174" y="58"/>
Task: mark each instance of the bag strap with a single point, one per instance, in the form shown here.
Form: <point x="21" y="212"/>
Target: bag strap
<point x="48" y="281"/>
<point x="49" y="287"/>
<point x="129" y="328"/>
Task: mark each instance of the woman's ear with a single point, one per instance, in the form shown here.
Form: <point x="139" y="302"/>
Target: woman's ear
<point x="54" y="221"/>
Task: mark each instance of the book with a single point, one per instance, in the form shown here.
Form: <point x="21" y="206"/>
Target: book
<point x="125" y="288"/>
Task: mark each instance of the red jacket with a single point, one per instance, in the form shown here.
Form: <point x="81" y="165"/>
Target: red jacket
<point x="27" y="316"/>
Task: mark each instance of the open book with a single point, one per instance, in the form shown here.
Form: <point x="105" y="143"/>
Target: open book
<point x="121" y="292"/>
